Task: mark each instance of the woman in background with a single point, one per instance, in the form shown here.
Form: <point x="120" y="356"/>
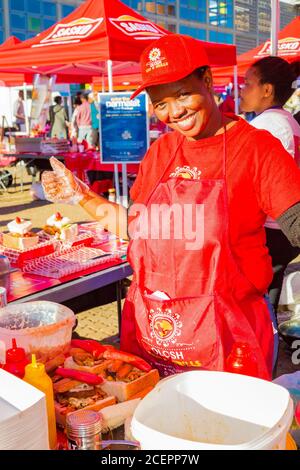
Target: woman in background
<point x="268" y="85"/>
<point x="73" y="124"/>
<point x="58" y="119"/>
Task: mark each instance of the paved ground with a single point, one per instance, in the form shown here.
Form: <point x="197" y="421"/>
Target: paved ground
<point x="97" y="314"/>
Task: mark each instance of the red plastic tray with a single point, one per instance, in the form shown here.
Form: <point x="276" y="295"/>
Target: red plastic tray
<point x="19" y="257"/>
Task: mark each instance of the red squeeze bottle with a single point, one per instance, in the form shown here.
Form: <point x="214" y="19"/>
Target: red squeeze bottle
<point x="16" y="360"/>
<point x="241" y="360"/>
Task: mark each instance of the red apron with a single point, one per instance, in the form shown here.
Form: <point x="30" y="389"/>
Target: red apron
<point x="211" y="303"/>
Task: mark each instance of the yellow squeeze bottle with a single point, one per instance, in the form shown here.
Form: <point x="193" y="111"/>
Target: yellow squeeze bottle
<point x="35" y="374"/>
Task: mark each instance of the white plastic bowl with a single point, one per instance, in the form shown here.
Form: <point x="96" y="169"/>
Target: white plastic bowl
<point x="213" y="410"/>
<point x="41" y="327"/>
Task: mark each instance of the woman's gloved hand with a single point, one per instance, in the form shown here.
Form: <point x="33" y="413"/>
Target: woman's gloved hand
<point x="60" y="185"/>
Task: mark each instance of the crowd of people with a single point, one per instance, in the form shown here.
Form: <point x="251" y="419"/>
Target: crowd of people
<point x="82" y="125"/>
<point x="19" y="112"/>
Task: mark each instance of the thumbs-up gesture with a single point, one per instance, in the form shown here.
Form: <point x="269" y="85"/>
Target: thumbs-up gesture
<point x="60" y="185"/>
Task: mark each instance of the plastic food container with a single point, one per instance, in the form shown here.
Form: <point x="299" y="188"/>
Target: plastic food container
<point x="43" y="328"/>
<point x="213" y="410"/>
<point x="20" y="257"/>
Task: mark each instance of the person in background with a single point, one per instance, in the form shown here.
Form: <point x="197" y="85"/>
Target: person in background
<point x="297" y="117"/>
<point x="293" y="103"/>
<point x="19" y="112"/>
<point x="268" y="85"/>
<point x="36" y="191"/>
<point x="95" y="118"/>
<point x="227" y="106"/>
<point x="249" y="116"/>
<point x="217" y="98"/>
<point x="84" y="120"/>
<point x="58" y="119"/>
<point x="157" y="128"/>
<point x="73" y="123"/>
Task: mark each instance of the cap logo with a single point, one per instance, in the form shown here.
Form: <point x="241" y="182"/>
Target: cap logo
<point x="156" y="60"/>
<point x="154" y="54"/>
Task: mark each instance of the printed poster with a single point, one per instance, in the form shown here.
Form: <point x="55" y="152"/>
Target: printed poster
<point x="123" y="128"/>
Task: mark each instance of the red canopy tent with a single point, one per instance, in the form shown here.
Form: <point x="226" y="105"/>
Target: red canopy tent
<point x="288" y="49"/>
<point x="77" y="47"/>
<point x="10" y="79"/>
<point x="98" y="31"/>
<point x="95" y="32"/>
<point x="10" y="42"/>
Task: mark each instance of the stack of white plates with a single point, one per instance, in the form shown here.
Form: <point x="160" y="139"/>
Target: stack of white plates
<point x="23" y="415"/>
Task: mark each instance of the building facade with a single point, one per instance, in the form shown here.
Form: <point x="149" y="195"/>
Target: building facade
<point x="26" y="18"/>
<point x="245" y="23"/>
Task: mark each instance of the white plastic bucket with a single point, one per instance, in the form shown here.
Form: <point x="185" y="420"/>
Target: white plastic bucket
<point x="213" y="410"/>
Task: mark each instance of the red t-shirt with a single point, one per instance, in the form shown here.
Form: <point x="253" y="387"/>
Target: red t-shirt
<point x="262" y="179"/>
<point x="227" y="106"/>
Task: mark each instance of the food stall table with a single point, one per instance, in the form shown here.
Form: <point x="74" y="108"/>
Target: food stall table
<point x="28" y="287"/>
<point x="78" y="162"/>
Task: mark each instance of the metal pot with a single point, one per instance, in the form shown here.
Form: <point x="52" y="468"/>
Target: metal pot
<point x="290" y="329"/>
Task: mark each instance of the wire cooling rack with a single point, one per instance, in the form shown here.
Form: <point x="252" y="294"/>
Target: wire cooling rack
<point x="69" y="261"/>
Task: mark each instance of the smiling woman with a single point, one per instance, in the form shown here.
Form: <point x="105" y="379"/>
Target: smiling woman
<point x="201" y="196"/>
<point x="206" y="161"/>
<point x="187" y="105"/>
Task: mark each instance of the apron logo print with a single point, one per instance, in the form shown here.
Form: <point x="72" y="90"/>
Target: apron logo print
<point x="165" y="326"/>
<point x="186" y="172"/>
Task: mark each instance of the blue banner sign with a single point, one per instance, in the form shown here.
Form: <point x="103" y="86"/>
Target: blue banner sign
<point x="124" y="127"/>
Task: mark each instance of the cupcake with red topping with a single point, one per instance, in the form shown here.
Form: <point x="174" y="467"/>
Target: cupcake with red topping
<point x="60" y="227"/>
<point x="19" y="235"/>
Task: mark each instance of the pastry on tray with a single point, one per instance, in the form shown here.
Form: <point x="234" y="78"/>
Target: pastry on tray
<point x="60" y="227"/>
<point x="125" y="376"/>
<point x="71" y="395"/>
<point x="19" y="236"/>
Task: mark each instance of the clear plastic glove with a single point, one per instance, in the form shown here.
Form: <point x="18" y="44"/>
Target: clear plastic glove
<point x="60" y="185"/>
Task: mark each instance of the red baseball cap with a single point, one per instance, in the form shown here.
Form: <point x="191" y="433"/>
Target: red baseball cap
<point x="170" y="58"/>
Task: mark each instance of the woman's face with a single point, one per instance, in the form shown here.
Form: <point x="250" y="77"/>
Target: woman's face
<point x="185" y="105"/>
<point x="255" y="96"/>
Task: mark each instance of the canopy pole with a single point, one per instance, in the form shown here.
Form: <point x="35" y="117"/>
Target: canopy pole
<point x="70" y="107"/>
<point x="11" y="122"/>
<point x="111" y="89"/>
<point x="25" y="108"/>
<point x="275" y="22"/>
<point x="235" y="88"/>
<point x="125" y="185"/>
<point x="110" y="78"/>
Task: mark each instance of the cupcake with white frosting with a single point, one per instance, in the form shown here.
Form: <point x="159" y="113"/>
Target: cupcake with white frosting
<point x="19" y="235"/>
<point x="61" y="227"/>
